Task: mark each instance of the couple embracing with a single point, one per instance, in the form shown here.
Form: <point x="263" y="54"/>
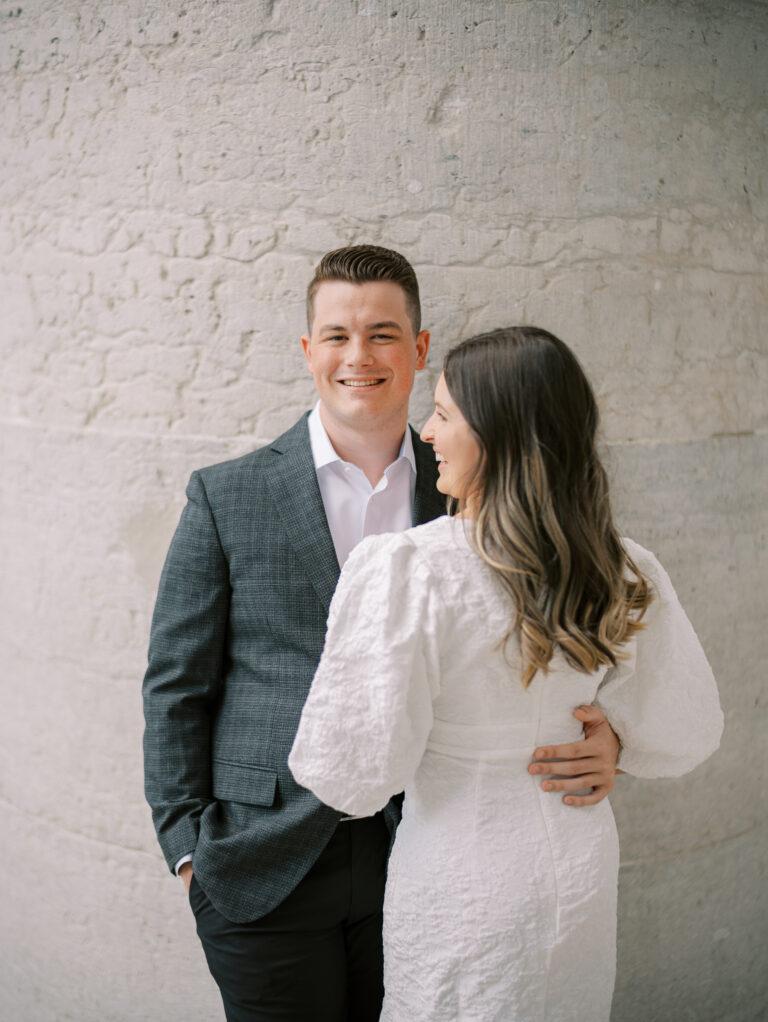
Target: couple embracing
<point x="493" y="663"/>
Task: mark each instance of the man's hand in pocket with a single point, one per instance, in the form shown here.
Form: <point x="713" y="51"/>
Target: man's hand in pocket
<point x="185" y="872"/>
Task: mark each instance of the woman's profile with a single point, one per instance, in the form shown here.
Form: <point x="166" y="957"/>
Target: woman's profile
<point x="455" y="648"/>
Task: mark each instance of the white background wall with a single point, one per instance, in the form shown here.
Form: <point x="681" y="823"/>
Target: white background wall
<point x="170" y="173"/>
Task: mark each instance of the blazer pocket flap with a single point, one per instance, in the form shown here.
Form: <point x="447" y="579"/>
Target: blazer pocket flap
<point x="242" y="782"/>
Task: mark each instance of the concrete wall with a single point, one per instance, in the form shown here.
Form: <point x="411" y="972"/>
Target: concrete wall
<point x="170" y="174"/>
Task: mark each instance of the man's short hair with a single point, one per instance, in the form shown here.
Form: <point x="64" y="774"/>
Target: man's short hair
<point x="365" y="264"/>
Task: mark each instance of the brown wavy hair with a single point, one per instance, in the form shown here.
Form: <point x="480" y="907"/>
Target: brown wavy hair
<point x="363" y="264"/>
<point x="543" y="518"/>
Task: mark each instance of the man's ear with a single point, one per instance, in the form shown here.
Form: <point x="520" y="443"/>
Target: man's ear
<point x="422" y="348"/>
<point x="307" y="349"/>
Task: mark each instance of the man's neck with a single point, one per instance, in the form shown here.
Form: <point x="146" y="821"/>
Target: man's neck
<point x="372" y="451"/>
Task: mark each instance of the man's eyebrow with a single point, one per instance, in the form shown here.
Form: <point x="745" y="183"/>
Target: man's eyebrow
<point x="388" y="324"/>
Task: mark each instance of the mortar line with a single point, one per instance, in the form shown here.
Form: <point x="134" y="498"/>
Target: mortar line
<point x="55" y="825"/>
<point x="671" y="856"/>
<point x="238" y="440"/>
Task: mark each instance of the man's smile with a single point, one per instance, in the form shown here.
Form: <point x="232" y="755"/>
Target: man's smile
<point x="362" y="381"/>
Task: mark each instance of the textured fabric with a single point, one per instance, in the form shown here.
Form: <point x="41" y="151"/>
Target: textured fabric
<point x="352" y="508"/>
<point x="500" y="903"/>
<point x="236" y="637"/>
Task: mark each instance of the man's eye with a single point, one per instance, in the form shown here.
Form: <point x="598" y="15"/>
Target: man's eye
<point x="336" y="337"/>
<point x="382" y="337"/>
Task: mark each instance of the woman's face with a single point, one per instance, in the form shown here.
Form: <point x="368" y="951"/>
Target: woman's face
<point x="456" y="449"/>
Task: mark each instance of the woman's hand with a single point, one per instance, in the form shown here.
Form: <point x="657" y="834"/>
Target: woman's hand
<point x="590" y="763"/>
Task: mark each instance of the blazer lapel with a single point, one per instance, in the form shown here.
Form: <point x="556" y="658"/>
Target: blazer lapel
<point x="293" y="481"/>
<point x="428" y="501"/>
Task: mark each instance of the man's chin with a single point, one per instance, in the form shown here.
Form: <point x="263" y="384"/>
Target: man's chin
<point x="362" y="396"/>
<point x="362" y="411"/>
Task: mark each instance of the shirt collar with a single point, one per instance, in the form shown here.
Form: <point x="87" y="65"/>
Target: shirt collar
<point x="324" y="453"/>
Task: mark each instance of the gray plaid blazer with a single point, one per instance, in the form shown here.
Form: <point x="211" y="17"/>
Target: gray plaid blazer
<point x="236" y="638"/>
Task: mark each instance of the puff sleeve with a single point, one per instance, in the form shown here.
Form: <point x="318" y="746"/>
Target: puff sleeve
<point x="368" y="715"/>
<point x="662" y="702"/>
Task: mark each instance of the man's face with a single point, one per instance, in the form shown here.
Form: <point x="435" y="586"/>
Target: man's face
<point x="362" y="353"/>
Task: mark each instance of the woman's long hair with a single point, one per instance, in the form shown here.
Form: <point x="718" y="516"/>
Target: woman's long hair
<point x="543" y="518"/>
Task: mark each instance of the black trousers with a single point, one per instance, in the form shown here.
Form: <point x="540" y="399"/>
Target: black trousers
<point x="317" y="957"/>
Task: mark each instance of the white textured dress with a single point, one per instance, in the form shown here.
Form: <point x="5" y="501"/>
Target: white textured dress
<point x="500" y="903"/>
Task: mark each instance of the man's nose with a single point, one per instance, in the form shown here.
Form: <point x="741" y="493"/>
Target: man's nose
<point x="358" y="352"/>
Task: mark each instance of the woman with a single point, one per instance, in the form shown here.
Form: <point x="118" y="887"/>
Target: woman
<point x="454" y="649"/>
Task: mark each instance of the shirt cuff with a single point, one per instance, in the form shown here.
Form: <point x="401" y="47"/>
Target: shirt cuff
<point x="180" y="863"/>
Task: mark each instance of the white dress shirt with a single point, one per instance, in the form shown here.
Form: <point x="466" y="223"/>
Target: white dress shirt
<point x="353" y="508"/>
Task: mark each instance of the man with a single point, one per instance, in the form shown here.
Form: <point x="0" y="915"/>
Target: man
<point x="287" y="893"/>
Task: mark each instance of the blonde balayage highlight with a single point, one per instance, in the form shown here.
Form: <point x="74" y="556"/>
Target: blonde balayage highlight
<point x="542" y="520"/>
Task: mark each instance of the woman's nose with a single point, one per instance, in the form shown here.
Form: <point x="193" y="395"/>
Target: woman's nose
<point x="427" y="433"/>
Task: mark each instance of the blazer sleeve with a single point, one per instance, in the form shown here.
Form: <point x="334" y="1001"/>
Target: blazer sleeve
<point x="662" y="701"/>
<point x="184" y="676"/>
<point x="365" y="724"/>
